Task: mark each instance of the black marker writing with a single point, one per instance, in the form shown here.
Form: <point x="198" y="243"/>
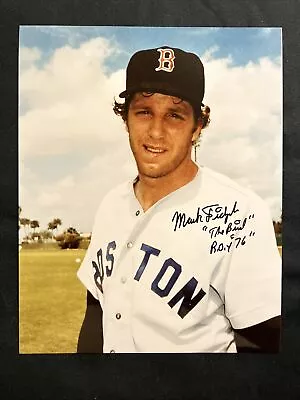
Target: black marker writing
<point x="216" y="247"/>
<point x="215" y="211"/>
<point x="181" y="220"/>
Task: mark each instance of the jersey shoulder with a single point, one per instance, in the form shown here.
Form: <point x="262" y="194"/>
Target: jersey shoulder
<point x="119" y="191"/>
<point x="115" y="196"/>
<point x="228" y="188"/>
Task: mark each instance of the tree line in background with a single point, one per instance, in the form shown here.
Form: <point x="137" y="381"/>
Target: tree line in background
<point x="69" y="239"/>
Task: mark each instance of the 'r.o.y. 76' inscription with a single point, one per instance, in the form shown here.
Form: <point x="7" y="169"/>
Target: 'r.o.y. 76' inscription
<point x="228" y="226"/>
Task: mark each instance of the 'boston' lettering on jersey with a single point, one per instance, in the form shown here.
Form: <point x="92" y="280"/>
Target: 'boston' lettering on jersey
<point x="99" y="268"/>
<point x="185" y="294"/>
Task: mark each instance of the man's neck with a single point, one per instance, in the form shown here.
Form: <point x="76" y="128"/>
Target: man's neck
<point x="149" y="191"/>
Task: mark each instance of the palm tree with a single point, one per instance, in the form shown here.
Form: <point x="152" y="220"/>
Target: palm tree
<point x="56" y="222"/>
<point x="51" y="227"/>
<point x="34" y="224"/>
<point x="25" y="222"/>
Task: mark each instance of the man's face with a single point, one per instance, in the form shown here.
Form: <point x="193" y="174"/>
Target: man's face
<point x="161" y="130"/>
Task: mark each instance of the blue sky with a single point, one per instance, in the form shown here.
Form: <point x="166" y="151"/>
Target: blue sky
<point x="69" y="147"/>
<point x="242" y="44"/>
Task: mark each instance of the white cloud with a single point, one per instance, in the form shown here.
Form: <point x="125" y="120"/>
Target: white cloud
<point x="69" y="101"/>
<point x="70" y="75"/>
<point x="208" y="54"/>
<point x="28" y="56"/>
<point x="202" y="31"/>
<point x="48" y="199"/>
<point x="67" y="182"/>
<point x="244" y="139"/>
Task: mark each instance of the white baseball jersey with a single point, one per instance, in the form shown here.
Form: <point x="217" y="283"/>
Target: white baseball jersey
<point x="180" y="276"/>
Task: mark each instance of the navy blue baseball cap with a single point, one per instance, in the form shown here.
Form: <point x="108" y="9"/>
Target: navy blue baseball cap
<point x="166" y="70"/>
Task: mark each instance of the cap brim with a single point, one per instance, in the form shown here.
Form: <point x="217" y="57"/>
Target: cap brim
<point x="154" y="87"/>
<point x="123" y="94"/>
<point x="157" y="89"/>
<point x="127" y="92"/>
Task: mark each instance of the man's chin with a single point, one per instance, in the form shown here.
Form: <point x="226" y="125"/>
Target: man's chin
<point x="153" y="173"/>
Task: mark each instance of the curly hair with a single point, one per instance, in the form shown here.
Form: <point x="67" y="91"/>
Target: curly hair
<point x="121" y="109"/>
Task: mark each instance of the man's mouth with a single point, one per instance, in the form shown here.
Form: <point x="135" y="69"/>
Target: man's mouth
<point x="154" y="150"/>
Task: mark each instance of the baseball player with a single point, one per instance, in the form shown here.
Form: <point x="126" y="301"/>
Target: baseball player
<point x="182" y="258"/>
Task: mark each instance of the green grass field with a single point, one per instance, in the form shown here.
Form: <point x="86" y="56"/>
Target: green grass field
<point x="52" y="301"/>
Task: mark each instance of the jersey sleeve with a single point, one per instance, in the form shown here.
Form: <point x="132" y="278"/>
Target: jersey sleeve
<point x="90" y="272"/>
<point x="253" y="284"/>
<point x="85" y="273"/>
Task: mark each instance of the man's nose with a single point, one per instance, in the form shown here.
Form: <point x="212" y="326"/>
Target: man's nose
<point x="156" y="128"/>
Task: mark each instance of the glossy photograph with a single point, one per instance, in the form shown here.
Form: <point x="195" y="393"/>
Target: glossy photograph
<point x="150" y="189"/>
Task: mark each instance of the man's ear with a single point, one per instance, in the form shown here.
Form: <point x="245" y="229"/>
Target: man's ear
<point x="197" y="131"/>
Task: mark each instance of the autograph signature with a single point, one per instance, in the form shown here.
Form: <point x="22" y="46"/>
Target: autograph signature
<point x="211" y="213"/>
<point x="225" y="228"/>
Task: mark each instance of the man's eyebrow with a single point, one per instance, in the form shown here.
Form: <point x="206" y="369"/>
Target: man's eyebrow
<point x="140" y="107"/>
<point x="138" y="102"/>
<point x="176" y="107"/>
<point x="179" y="108"/>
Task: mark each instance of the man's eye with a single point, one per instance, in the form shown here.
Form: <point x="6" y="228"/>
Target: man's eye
<point x="142" y="112"/>
<point x="176" y="116"/>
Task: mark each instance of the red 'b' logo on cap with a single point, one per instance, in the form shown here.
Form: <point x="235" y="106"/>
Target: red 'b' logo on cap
<point x="166" y="60"/>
